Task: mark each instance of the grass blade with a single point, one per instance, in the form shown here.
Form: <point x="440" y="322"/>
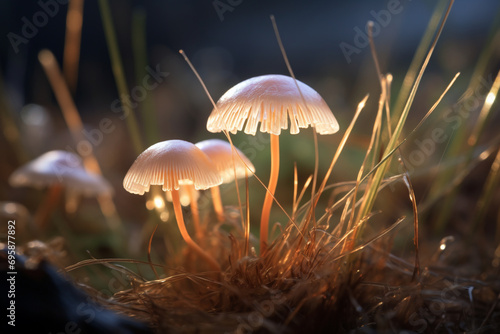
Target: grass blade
<point x="119" y="73"/>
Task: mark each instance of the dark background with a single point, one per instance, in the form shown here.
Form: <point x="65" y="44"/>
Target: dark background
<point x="241" y="45"/>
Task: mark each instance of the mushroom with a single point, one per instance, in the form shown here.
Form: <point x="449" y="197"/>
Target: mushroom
<point x="271" y="100"/>
<point x="174" y="163"/>
<point x="221" y="154"/>
<point x="18" y="217"/>
<point x="59" y="170"/>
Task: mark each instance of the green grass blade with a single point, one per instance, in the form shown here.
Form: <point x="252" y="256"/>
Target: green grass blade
<point x="119" y="74"/>
<point x="417" y="60"/>
<point x="393" y="142"/>
<point x="457" y="141"/>
<point x="484" y="202"/>
<point x="139" y="48"/>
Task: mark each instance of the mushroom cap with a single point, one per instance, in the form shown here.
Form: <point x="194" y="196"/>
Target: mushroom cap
<point x="171" y="163"/>
<point x="271" y="99"/>
<point x="63" y="168"/>
<point x="221" y="154"/>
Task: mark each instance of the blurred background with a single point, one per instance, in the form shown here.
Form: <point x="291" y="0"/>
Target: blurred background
<point x="227" y="41"/>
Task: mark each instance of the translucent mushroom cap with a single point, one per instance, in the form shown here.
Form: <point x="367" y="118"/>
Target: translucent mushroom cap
<point x="63" y="168"/>
<point x="220" y="152"/>
<point x="171" y="163"/>
<point x="271" y="100"/>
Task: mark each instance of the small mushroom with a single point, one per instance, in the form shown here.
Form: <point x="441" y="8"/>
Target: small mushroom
<point x="18" y="217"/>
<point x="221" y="154"/>
<point x="271" y="100"/>
<point x="58" y="170"/>
<point x="174" y="163"/>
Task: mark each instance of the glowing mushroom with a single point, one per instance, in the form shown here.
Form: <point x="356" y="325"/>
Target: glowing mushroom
<point x="58" y="170"/>
<point x="221" y="154"/>
<point x="271" y="100"/>
<point x="173" y="163"/>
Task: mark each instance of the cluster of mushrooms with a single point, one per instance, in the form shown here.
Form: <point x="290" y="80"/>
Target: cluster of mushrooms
<point x="177" y="165"/>
<point x="269" y="100"/>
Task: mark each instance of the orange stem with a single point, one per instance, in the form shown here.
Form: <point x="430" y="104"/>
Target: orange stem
<point x="271" y="188"/>
<point x="193" y="203"/>
<point x="48" y="205"/>
<point x="217" y="202"/>
<point x="74" y="20"/>
<point x="185" y="235"/>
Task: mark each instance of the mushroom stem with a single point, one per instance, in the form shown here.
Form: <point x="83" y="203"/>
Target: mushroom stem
<point x="48" y="205"/>
<point x="185" y="235"/>
<point x="271" y="188"/>
<point x="193" y="203"/>
<point x="217" y="202"/>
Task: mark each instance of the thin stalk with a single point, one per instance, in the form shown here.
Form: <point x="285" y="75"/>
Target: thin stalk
<point x="233" y="154"/>
<point x="247" y="221"/>
<point x="371" y="151"/>
<point x="484" y="202"/>
<point x="47" y="206"/>
<point x="271" y="189"/>
<point x="119" y="75"/>
<point x="312" y="216"/>
<point x="302" y="192"/>
<point x="195" y="213"/>
<point x="9" y="128"/>
<point x="185" y="235"/>
<point x="411" y="193"/>
<point x="139" y="48"/>
<point x="493" y="176"/>
<point x="295" y="186"/>
<point x="217" y="203"/>
<point x="71" y="58"/>
<point x="484" y="114"/>
<point x="418" y="58"/>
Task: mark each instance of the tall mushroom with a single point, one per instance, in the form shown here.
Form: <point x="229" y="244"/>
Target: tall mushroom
<point x="59" y="170"/>
<point x="221" y="154"/>
<point x="173" y="163"/>
<point x="271" y="100"/>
